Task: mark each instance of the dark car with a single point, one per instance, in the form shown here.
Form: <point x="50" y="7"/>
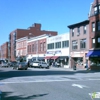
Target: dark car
<point x="21" y="65"/>
<point x="12" y="64"/>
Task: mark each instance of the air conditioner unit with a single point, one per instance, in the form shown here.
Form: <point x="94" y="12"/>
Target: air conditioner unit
<point x="78" y="34"/>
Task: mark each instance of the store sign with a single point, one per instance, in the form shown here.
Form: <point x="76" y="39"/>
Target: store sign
<point x="54" y="52"/>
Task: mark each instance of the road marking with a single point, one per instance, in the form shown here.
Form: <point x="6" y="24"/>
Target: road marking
<point x="78" y="85"/>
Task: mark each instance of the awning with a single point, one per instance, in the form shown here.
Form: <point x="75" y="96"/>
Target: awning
<point x="93" y="53"/>
<point x="63" y="57"/>
<point x="54" y="57"/>
<point x="48" y="57"/>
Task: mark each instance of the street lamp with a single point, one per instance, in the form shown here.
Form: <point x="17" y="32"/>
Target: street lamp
<point x="37" y="50"/>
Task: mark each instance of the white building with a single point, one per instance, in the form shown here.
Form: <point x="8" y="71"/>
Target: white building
<point x="58" y="49"/>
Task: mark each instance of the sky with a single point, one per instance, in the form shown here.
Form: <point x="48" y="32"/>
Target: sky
<point x="54" y="15"/>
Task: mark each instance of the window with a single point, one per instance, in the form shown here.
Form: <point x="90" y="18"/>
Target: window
<point x="78" y="29"/>
<point x="58" y="45"/>
<point x="93" y="42"/>
<point x="83" y="43"/>
<point x="99" y="8"/>
<point x="74" y="44"/>
<point x="98" y="43"/>
<point x="72" y="32"/>
<point x="32" y="47"/>
<point x="98" y="25"/>
<point x="41" y="47"/>
<point x="44" y="46"/>
<point x="84" y="29"/>
<point x="95" y="10"/>
<point x="65" y="44"/>
<point x="93" y="27"/>
<point x="51" y="46"/>
<point x="28" y="48"/>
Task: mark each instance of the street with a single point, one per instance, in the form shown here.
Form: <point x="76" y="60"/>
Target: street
<point x="48" y="84"/>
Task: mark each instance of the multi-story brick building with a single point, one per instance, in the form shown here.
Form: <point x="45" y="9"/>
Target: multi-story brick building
<point x="34" y="30"/>
<point x="4" y="51"/>
<point x="79" y="43"/>
<point x="21" y="48"/>
<point x="37" y="47"/>
<point x="94" y="32"/>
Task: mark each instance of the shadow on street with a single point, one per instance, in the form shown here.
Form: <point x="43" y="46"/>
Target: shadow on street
<point x="6" y="96"/>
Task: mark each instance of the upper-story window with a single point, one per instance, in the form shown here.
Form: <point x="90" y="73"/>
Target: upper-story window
<point x="93" y="42"/>
<point x="98" y="25"/>
<point x="95" y="10"/>
<point x="51" y="46"/>
<point x="72" y="32"/>
<point x="93" y="26"/>
<point x="84" y="29"/>
<point x="74" y="44"/>
<point x="44" y="46"/>
<point x="99" y="8"/>
<point x="65" y="44"/>
<point x="83" y="43"/>
<point x="78" y="31"/>
<point x="41" y="47"/>
<point x="98" y="43"/>
<point x="58" y="45"/>
<point x="32" y="47"/>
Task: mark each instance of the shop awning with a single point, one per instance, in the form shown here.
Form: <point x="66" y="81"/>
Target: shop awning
<point x="93" y="53"/>
<point x="54" y="57"/>
<point x="48" y="57"/>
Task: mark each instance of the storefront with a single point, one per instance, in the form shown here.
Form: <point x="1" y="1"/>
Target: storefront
<point x="94" y="58"/>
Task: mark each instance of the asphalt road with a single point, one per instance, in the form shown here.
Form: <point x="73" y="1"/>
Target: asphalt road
<point x="48" y="84"/>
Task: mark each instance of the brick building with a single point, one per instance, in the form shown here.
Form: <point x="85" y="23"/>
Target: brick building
<point x="79" y="43"/>
<point x="4" y="51"/>
<point x="37" y="47"/>
<point x="21" y="48"/>
<point x="94" y="31"/>
<point x="34" y="30"/>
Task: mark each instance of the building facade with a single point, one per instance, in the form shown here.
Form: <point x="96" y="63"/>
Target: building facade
<point x="34" y="30"/>
<point x="58" y="50"/>
<point x="4" y="51"/>
<point x="21" y="48"/>
<point x="94" y="31"/>
<point x="79" y="43"/>
<point x="36" y="47"/>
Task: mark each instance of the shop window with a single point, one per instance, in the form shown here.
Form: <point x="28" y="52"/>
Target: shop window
<point x="83" y="43"/>
<point x="74" y="45"/>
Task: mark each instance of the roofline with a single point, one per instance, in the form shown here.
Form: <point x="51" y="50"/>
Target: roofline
<point x="77" y="24"/>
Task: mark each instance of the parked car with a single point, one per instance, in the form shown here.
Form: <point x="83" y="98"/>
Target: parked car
<point x="12" y="64"/>
<point x="43" y="64"/>
<point x="21" y="65"/>
<point x="3" y="63"/>
<point x="40" y="64"/>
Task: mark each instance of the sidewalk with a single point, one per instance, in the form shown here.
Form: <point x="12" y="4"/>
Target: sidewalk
<point x="66" y="69"/>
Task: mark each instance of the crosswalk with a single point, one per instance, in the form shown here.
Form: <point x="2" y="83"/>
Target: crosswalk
<point x="30" y="79"/>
